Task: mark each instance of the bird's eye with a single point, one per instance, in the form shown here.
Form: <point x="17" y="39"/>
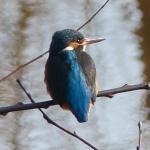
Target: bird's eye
<point x="78" y="41"/>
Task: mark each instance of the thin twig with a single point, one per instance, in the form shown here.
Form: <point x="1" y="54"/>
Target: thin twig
<point x="22" y="66"/>
<point x="93" y="16"/>
<point x="46" y="104"/>
<point x="140" y="135"/>
<point x="54" y="123"/>
<point x="31" y="61"/>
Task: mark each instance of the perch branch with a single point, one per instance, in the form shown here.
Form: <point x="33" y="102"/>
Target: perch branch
<point x="33" y="60"/>
<point x="45" y="104"/>
<point x="54" y="123"/>
<point x="124" y="88"/>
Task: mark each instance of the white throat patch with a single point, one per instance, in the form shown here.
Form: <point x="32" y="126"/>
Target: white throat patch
<point x="84" y="47"/>
<point x="68" y="48"/>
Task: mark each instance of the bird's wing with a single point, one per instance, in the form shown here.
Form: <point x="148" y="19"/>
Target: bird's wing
<point x="89" y="70"/>
<point x="66" y="83"/>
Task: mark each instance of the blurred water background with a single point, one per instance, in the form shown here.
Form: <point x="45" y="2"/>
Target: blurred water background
<point x="26" y="27"/>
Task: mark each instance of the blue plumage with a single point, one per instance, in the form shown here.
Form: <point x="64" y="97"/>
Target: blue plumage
<point x="70" y="73"/>
<point x="68" y="84"/>
<point x="78" y="93"/>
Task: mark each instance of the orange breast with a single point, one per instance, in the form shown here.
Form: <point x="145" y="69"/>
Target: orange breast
<point x="66" y="106"/>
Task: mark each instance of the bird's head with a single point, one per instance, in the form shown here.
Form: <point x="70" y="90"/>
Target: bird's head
<point x="69" y="39"/>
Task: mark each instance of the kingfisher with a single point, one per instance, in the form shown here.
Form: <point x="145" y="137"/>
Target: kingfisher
<point x="70" y="73"/>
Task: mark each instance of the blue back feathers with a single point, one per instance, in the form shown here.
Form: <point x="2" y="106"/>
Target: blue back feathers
<point x="68" y="83"/>
<point x="70" y="75"/>
<point x="79" y="95"/>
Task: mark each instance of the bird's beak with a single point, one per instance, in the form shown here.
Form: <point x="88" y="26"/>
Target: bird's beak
<point x="91" y="41"/>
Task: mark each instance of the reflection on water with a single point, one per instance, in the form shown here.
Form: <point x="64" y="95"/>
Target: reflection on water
<point x="26" y="28"/>
<point x="145" y="44"/>
<point x="144" y="32"/>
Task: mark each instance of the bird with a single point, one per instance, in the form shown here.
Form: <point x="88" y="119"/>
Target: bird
<point x="70" y="73"/>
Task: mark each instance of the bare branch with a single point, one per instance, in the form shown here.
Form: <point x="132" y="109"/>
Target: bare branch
<point x="124" y="88"/>
<point x="93" y="16"/>
<point x="140" y="135"/>
<point x="33" y="60"/>
<point x="22" y="66"/>
<point x="54" y="123"/>
<point x="45" y="104"/>
<point x="21" y="106"/>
